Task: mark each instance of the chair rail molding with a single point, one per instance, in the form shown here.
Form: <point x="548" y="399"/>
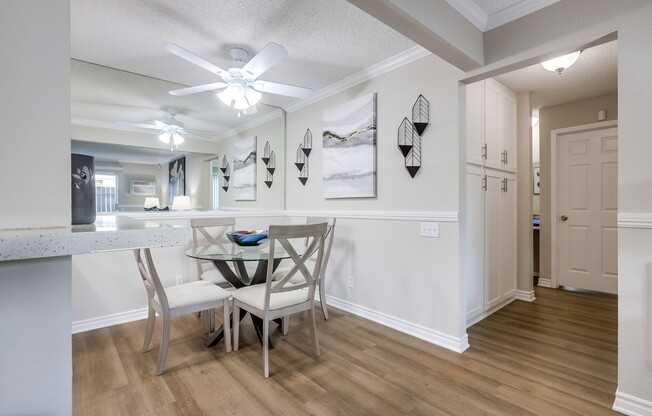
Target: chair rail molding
<point x="441" y="216"/>
<point x="634" y="220"/>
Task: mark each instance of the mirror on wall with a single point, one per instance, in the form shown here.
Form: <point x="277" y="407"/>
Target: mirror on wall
<point x="107" y="107"/>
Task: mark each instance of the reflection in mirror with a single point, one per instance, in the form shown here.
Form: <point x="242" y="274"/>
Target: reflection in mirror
<point x="129" y="155"/>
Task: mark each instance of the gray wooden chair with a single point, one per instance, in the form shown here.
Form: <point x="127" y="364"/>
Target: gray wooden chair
<point x="178" y="300"/>
<point x="282" y="298"/>
<point x="328" y="244"/>
<point x="206" y="231"/>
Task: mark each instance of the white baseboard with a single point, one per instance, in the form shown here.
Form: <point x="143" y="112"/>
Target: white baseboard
<point x="543" y="282"/>
<point x="458" y="345"/>
<point x="525" y="295"/>
<point x="108" y="320"/>
<point x="632" y="405"/>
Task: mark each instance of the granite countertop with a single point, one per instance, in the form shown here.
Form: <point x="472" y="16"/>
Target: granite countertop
<point x="106" y="234"/>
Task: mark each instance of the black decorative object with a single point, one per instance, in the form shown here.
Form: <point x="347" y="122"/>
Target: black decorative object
<point x="301" y="158"/>
<point x="421" y="114"/>
<point x="270" y="161"/>
<point x="303" y="176"/>
<point x="224" y="163"/>
<point x="226" y="175"/>
<point x="266" y="153"/>
<point x="177" y="175"/>
<point x="83" y="189"/>
<point x="307" y="142"/>
<point x="409" y="135"/>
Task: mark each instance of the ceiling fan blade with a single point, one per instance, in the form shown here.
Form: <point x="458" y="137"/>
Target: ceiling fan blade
<point x="138" y="125"/>
<point x="199" y="88"/>
<point x="191" y="57"/>
<point x="282" y="89"/>
<point x="271" y="54"/>
<point x="251" y="110"/>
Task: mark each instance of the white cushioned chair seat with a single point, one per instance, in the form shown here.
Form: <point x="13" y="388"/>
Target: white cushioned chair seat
<point x="194" y="293"/>
<point x="255" y="296"/>
<point x="213" y="276"/>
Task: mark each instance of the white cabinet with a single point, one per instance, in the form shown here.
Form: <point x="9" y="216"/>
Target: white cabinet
<point x="489" y="262"/>
<point x="491" y="125"/>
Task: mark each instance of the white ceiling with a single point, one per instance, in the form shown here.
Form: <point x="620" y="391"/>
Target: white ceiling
<point x="489" y="14"/>
<point x="327" y="40"/>
<point x="106" y="152"/>
<point x="594" y="74"/>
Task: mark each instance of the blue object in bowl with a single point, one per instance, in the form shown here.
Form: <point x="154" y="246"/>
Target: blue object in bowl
<point x="247" y="238"/>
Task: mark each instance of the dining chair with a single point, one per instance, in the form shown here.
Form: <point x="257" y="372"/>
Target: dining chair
<point x="178" y="300"/>
<point x="281" y="298"/>
<point x="210" y="231"/>
<point x="328" y="244"/>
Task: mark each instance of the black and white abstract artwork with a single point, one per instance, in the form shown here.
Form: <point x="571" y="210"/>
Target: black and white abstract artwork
<point x="177" y="178"/>
<point x="244" y="170"/>
<point x="349" y="149"/>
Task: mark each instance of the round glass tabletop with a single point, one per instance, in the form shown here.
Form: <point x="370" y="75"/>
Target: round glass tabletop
<point x="233" y="252"/>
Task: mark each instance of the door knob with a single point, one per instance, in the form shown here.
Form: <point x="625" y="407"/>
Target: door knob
<point x="564" y="218"/>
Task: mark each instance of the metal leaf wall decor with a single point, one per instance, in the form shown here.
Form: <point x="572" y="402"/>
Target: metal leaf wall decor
<point x="409" y="135"/>
<point x="270" y="164"/>
<point x="226" y="175"/>
<point x="224" y="164"/>
<point x="303" y="154"/>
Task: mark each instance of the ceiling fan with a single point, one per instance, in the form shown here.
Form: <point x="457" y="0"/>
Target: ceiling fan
<point x="240" y="86"/>
<point x="171" y="129"/>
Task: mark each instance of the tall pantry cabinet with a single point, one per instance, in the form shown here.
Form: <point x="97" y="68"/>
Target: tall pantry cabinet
<point x="490" y="235"/>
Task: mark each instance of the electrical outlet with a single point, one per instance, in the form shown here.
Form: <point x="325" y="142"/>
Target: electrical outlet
<point x="430" y="229"/>
<point x="180" y="279"/>
<point x="349" y="282"/>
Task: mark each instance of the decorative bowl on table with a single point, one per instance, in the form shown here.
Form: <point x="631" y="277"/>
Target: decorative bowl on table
<point x="248" y="238"/>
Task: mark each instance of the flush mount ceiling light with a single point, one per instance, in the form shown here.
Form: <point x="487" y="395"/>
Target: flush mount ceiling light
<point x="241" y="88"/>
<point x="559" y="64"/>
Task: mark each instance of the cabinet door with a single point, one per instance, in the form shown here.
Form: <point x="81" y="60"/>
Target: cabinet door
<point x="492" y="242"/>
<point x="492" y="124"/>
<point x="508" y="129"/>
<point x="474" y="123"/>
<point x="474" y="242"/>
<point x="508" y="239"/>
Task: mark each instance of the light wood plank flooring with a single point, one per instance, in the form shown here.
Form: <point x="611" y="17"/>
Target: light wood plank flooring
<point x="555" y="356"/>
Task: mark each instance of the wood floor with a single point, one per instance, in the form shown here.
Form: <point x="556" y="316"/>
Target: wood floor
<point x="555" y="356"/>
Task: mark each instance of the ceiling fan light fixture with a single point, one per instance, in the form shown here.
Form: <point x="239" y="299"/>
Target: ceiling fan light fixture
<point x="560" y="63"/>
<point x="177" y="139"/>
<point x="165" y="137"/>
<point x="225" y="97"/>
<point x="252" y="96"/>
<point x="241" y="103"/>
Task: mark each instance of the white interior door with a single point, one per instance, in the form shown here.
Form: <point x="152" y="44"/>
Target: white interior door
<point x="587" y="205"/>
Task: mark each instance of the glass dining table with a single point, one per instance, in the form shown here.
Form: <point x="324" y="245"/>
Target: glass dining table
<point x="231" y="260"/>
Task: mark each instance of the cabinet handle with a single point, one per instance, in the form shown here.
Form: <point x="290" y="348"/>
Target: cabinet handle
<point x="504" y="187"/>
<point x="484" y="182"/>
<point x="484" y="151"/>
<point x="506" y="157"/>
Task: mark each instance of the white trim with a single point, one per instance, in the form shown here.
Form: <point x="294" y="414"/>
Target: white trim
<point x="554" y="135"/>
<point x="525" y="295"/>
<point x="634" y="220"/>
<point x="449" y="342"/>
<point x="471" y="12"/>
<point x="544" y="282"/>
<point x="265" y="118"/>
<point x="89" y="122"/>
<point x="440" y="216"/>
<point x="516" y="12"/>
<point x="397" y="61"/>
<point x="479" y="317"/>
<point x="108" y="320"/>
<point x="632" y="405"/>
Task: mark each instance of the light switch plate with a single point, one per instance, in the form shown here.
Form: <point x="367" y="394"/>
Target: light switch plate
<point x="430" y="229"/>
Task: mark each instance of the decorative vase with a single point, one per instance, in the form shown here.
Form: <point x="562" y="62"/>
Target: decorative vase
<point x="83" y="189"/>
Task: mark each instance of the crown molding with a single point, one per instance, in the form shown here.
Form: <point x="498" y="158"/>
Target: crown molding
<point x="89" y="122"/>
<point x="471" y="12"/>
<point x="403" y="58"/>
<point x="516" y="12"/>
<point x="265" y="118"/>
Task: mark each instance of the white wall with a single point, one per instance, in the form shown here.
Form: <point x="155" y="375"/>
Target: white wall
<point x="565" y="25"/>
<point x="35" y="346"/>
<point x="388" y="259"/>
<point x="266" y="198"/>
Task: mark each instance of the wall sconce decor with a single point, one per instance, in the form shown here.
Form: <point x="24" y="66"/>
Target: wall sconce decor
<point x="409" y="135"/>
<point x="303" y="153"/>
<point x="270" y="162"/>
<point x="224" y="164"/>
